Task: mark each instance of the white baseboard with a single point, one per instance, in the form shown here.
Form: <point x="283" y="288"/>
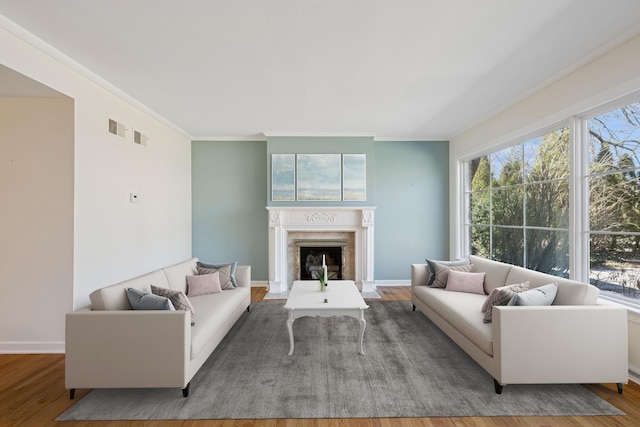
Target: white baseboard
<point x="31" y="347"/>
<point x="264" y="283"/>
<point x="634" y="373"/>
<point x="393" y="282"/>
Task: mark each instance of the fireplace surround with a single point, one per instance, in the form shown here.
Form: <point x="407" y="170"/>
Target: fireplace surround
<point x="291" y="228"/>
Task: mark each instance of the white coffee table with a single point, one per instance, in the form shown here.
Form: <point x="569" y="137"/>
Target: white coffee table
<point x="342" y="299"/>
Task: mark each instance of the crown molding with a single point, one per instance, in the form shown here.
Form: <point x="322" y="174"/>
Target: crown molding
<point x="230" y="138"/>
<point x="44" y="47"/>
<point x="412" y="139"/>
<point x="320" y="134"/>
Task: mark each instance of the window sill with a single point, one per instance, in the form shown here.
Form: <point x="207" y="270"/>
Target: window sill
<point x="632" y="309"/>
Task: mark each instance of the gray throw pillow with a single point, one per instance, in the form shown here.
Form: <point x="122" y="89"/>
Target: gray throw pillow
<point x="147" y="301"/>
<point x="432" y="267"/>
<point x="543" y="295"/>
<point x="232" y="270"/>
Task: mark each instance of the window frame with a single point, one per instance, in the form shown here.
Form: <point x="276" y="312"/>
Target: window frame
<point x="466" y="190"/>
<point x="578" y="225"/>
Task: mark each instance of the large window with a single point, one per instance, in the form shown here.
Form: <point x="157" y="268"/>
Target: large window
<point x="614" y="201"/>
<point x="518" y="201"/>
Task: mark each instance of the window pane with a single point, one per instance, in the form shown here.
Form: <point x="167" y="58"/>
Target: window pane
<point x="614" y="140"/>
<point x="507" y="206"/>
<point x="614" y="202"/>
<point x="548" y="204"/>
<point x="548" y="251"/>
<point x="480" y="241"/>
<point x="479" y="175"/>
<point x="506" y="166"/>
<point x="615" y="264"/>
<point x="547" y="157"/>
<point x="479" y="207"/>
<point x="508" y="244"/>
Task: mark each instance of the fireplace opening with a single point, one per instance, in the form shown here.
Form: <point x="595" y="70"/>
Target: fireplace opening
<point x="311" y="261"/>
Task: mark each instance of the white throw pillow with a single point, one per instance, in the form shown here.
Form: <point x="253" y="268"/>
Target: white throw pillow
<point x="543" y="295"/>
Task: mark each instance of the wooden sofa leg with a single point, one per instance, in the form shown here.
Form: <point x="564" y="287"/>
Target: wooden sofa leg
<point x="498" y="386"/>
<point x="72" y="393"/>
<point x="248" y="309"/>
<point x="619" y="388"/>
<point x="185" y="391"/>
<point x="414" y="307"/>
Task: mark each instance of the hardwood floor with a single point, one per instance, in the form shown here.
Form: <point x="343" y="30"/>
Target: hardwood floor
<point x="32" y="393"/>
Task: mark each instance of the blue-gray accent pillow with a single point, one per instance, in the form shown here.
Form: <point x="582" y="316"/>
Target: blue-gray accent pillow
<point x="542" y="295"/>
<point x="432" y="267"/>
<point x="147" y="301"/>
<point x="232" y="275"/>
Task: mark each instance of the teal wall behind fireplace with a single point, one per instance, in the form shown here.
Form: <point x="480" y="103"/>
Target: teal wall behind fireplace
<point x="407" y="182"/>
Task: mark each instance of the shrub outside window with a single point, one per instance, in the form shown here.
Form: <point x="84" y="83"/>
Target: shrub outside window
<point x="518" y="204"/>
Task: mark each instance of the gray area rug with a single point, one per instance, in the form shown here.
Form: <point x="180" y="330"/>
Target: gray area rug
<point x="410" y="369"/>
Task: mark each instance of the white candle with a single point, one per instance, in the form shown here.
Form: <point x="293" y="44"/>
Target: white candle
<point x="323" y="264"/>
<point x="326" y="278"/>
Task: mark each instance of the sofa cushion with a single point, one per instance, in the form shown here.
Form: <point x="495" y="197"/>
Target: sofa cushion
<point x="177" y="298"/>
<point x="432" y="267"/>
<point x="542" y="295"/>
<point x="215" y="316"/>
<point x="177" y="274"/>
<point x="501" y="296"/>
<point x="224" y="273"/>
<point x="462" y="311"/>
<point x="460" y="281"/>
<point x="570" y="292"/>
<point x="232" y="274"/>
<point x="442" y="273"/>
<point x="495" y="273"/>
<point x="147" y="301"/>
<point x="203" y="284"/>
<point x="114" y="297"/>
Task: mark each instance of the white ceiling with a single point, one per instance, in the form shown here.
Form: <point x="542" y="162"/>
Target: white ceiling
<point x="406" y="69"/>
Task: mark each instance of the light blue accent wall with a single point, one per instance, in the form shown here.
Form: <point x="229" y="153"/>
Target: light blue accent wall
<point x="323" y="145"/>
<point x="407" y="182"/>
<point x="412" y="199"/>
<point x="228" y="197"/>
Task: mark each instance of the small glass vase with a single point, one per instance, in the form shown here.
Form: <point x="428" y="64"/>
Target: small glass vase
<point x="323" y="286"/>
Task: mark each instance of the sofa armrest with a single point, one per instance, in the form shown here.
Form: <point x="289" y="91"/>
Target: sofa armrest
<point x="419" y="274"/>
<point x="560" y="344"/>
<point x="127" y="348"/>
<point x="243" y="276"/>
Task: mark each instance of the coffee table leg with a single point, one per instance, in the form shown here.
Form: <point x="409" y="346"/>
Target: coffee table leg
<point x="363" y="324"/>
<point x="290" y="328"/>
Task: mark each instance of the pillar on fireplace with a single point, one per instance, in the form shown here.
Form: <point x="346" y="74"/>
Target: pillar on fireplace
<point x="278" y="284"/>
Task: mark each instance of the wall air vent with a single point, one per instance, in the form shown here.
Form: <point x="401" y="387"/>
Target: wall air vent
<point x="140" y="138"/>
<point x="117" y="129"/>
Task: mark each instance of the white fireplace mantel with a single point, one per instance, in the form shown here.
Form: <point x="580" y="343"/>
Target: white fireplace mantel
<point x="285" y="219"/>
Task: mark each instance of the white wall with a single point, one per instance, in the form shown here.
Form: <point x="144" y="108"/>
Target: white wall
<point x="609" y="77"/>
<point x="36" y="226"/>
<point x="113" y="239"/>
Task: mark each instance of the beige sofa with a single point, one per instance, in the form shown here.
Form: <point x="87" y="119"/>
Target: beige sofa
<point x="575" y="340"/>
<point x="109" y="345"/>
